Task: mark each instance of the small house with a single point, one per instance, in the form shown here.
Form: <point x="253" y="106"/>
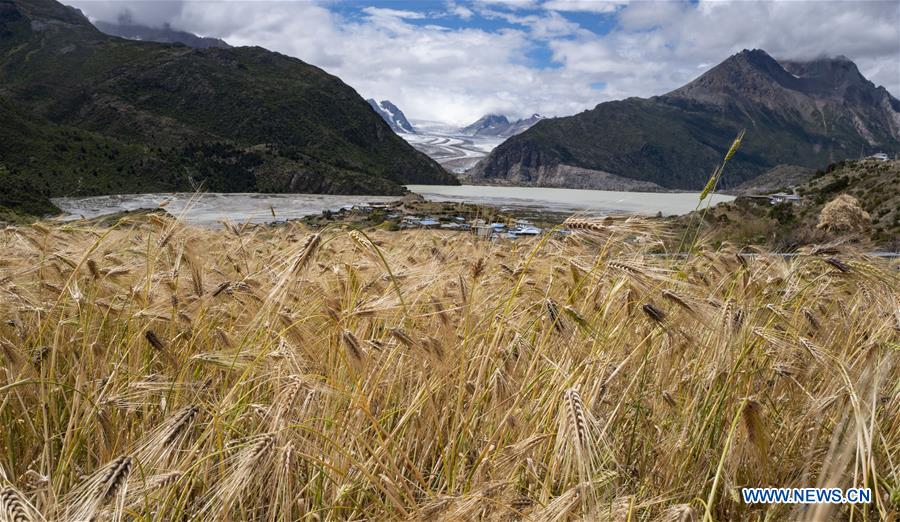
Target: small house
<point x="483" y="231"/>
<point x="782" y="197"/>
<point x="525" y="230"/>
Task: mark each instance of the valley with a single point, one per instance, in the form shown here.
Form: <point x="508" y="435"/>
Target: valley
<point x="456" y="148"/>
<point x="456" y="153"/>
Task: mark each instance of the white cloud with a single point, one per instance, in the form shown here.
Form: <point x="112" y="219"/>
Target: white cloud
<point x="545" y="26"/>
<point x="381" y="12"/>
<point x="460" y="11"/>
<point x="439" y="72"/>
<point x="590" y="6"/>
<point x="147" y="12"/>
<point x="659" y="46"/>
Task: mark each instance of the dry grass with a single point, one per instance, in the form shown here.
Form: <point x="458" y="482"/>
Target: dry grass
<point x="154" y="371"/>
<point x="843" y="215"/>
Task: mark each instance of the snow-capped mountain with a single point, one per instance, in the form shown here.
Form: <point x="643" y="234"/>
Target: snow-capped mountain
<point x="523" y="124"/>
<point x="499" y="125"/>
<point x="393" y="116"/>
<point x="487" y="125"/>
<point x="459" y="149"/>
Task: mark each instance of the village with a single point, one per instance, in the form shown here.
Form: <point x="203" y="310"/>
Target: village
<point x="414" y="212"/>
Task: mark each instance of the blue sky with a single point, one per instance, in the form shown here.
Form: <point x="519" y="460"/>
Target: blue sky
<point x="455" y="60"/>
<point x="484" y="16"/>
<point x="538" y="54"/>
<point x="479" y="15"/>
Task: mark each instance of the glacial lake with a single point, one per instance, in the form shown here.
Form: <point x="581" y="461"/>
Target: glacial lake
<point x="209" y="209"/>
<point x="569" y="200"/>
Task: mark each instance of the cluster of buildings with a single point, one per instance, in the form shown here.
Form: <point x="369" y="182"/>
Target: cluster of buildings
<point x="480" y="227"/>
<point x="424" y="215"/>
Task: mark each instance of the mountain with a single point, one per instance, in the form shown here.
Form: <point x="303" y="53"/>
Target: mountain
<point x="499" y="125"/>
<point x="487" y="125"/>
<point x="393" y="116"/>
<point x="799" y="113"/>
<point x="780" y="179"/>
<point x="85" y="113"/>
<point x="165" y="34"/>
<point x="522" y="125"/>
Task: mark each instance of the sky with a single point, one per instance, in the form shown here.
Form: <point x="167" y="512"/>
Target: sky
<point x="456" y="60"/>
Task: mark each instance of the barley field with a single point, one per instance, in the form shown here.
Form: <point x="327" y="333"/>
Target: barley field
<point x="156" y="371"/>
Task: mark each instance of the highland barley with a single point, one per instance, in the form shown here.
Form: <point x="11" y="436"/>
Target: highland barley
<point x="280" y="374"/>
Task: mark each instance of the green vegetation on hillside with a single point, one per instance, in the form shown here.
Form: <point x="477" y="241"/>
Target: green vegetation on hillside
<point x="645" y="140"/>
<point x="86" y="113"/>
<point x="20" y="199"/>
<point x="874" y="185"/>
<point x="775" y="180"/>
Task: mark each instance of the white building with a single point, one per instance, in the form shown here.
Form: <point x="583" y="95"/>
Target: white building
<point x="781" y="197"/>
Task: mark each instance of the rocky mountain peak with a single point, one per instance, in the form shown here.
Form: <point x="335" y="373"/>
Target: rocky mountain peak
<point x="46" y="11"/>
<point x="753" y="78"/>
<point x="488" y="125"/>
<point x="494" y="118"/>
<point x="499" y="125"/>
<point x="746" y="75"/>
<point x="393" y="116"/>
<point x="756" y="58"/>
<point x="826" y="75"/>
